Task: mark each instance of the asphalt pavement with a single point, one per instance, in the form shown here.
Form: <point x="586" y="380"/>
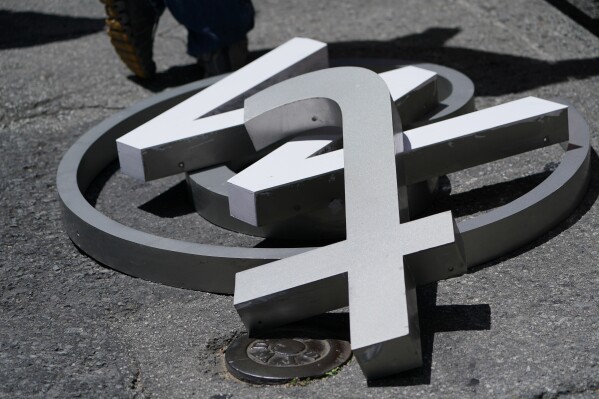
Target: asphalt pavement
<point x="525" y="325"/>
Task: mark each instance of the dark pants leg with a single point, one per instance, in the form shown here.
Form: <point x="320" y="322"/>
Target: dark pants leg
<point x="211" y="24"/>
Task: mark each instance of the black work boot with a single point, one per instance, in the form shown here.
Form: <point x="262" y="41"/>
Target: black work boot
<point x="131" y="25"/>
<point x="227" y="59"/>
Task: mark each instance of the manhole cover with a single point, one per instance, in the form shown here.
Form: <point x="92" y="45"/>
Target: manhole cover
<point x="282" y="355"/>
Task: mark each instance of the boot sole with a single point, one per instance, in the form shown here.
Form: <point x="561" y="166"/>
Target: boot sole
<point x="135" y="53"/>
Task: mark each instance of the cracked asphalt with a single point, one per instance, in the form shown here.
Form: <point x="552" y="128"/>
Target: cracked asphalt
<point x="525" y="325"/>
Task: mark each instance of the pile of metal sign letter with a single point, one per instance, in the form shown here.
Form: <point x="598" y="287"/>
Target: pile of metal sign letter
<point x="339" y="153"/>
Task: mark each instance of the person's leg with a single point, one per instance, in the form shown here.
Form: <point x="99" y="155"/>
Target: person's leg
<point x="216" y="30"/>
<point x="131" y="25"/>
<point x="158" y="5"/>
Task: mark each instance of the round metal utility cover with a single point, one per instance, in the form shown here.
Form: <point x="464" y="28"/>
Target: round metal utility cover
<point x="285" y="355"/>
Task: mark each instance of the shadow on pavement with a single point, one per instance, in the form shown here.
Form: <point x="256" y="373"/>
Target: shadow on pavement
<point x="585" y="205"/>
<point x="97" y="185"/>
<point x="493" y="74"/>
<point x="484" y="198"/>
<point x="174" y="202"/>
<point x="585" y="13"/>
<point x="26" y="29"/>
<point x="434" y="319"/>
<point x="172" y="77"/>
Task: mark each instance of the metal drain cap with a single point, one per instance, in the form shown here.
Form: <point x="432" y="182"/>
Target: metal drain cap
<point x="287" y="355"/>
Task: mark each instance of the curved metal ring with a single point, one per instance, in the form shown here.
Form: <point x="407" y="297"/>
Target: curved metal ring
<point x="512" y="225"/>
<point x="212" y="268"/>
<point x="211" y="199"/>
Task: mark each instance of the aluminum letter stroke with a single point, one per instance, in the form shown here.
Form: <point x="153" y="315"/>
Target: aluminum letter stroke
<point x="367" y="270"/>
<point x="181" y="132"/>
